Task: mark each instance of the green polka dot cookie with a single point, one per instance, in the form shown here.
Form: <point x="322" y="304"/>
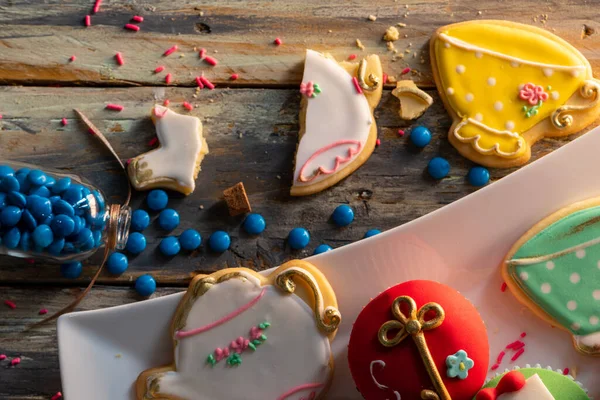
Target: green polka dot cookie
<point x="554" y="269"/>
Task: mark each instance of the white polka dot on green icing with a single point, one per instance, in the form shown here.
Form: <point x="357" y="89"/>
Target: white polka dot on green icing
<point x="524" y="275"/>
<point x="580" y="254"/>
<point x="594" y="320"/>
<point x="575" y="326"/>
<point x="596" y="294"/>
<point x="572" y="305"/>
<point x="546" y="288"/>
<point x="575" y="278"/>
<point x="550" y="265"/>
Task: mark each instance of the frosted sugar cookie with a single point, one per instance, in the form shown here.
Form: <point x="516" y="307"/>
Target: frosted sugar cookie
<point x="240" y="335"/>
<point x="337" y="127"/>
<point x="175" y="164"/>
<point x="508" y="85"/>
<point x="554" y="269"/>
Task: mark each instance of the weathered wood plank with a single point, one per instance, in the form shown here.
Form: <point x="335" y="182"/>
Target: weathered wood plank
<point x="252" y="138"/>
<point x="37" y="377"/>
<point x="37" y="38"/>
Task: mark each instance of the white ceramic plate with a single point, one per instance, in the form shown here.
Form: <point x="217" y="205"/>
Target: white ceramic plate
<point x="461" y="245"/>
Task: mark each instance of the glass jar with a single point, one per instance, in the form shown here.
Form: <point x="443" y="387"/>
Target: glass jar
<point x="56" y="216"/>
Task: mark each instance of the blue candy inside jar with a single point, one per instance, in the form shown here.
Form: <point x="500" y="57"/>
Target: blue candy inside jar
<point x="55" y="216"/>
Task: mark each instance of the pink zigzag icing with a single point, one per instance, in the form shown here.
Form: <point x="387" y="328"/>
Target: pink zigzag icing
<point x="338" y="160"/>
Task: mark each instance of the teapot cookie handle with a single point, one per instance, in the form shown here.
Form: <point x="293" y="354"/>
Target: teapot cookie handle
<point x="562" y="118"/>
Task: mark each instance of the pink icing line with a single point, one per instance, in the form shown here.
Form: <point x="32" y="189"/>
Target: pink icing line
<point x="338" y="160"/>
<point x="299" y="389"/>
<point x="356" y="85"/>
<point x="193" y="332"/>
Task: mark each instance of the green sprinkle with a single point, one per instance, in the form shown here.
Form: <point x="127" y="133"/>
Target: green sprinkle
<point x="263" y="337"/>
<point x="252" y="346"/>
<point x="211" y="360"/>
<point x="549" y="87"/>
<point x="256" y="342"/>
<point x="264" y="325"/>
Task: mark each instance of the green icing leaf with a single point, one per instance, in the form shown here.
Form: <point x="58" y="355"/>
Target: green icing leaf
<point x="263" y="337"/>
<point x="256" y="342"/>
<point x="252" y="346"/>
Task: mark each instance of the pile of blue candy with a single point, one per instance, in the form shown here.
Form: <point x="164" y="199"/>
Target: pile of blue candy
<point x="48" y="216"/>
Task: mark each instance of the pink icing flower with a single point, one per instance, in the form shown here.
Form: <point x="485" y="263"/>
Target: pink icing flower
<point x="255" y="333"/>
<point x="307" y="89"/>
<point x="533" y="93"/>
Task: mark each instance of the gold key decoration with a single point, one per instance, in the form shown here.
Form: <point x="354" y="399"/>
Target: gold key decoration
<point x="414" y="325"/>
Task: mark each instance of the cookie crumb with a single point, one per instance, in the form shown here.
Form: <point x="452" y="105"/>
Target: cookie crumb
<point x="390" y="46"/>
<point x="118" y="355"/>
<point x="359" y="44"/>
<point x="479" y="13"/>
<point x="372" y="18"/>
<point x="401" y="24"/>
<point x="391" y="79"/>
<point x="201" y="207"/>
<point x="391" y="34"/>
<point x="330" y="31"/>
<point x="278" y="176"/>
<point x="237" y="200"/>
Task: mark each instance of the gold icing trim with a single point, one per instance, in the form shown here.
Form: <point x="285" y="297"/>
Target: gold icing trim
<point x="327" y="319"/>
<point x="153" y="387"/>
<point x="561" y="118"/>
<point x="373" y="80"/>
<point x="474" y="140"/>
<point x="414" y="325"/>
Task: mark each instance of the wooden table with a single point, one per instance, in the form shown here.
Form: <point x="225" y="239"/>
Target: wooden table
<point x="251" y="125"/>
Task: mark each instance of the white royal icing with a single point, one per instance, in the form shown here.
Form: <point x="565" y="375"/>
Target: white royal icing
<point x="180" y="147"/>
<point x="592" y="340"/>
<point x="294" y="355"/>
<point x="338" y="113"/>
<point x="379" y="385"/>
<point x="534" y="389"/>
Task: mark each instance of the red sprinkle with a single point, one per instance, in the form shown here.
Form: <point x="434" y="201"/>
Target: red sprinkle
<point x="566" y="371"/>
<point x="166" y="102"/>
<point x="97" y="6"/>
<point x="210" y="60"/>
<point x="351" y="57"/>
<point x="400" y="132"/>
<point x="43" y="311"/>
<point x="137" y="18"/>
<point x="188" y="106"/>
<point x="15" y="361"/>
<point x="128" y="161"/>
<point x="385" y="78"/>
<point x="278" y="42"/>
<point x="2" y="357"/>
<point x="356" y="85"/>
<point x="207" y="83"/>
<point x="119" y="58"/>
<point x="153" y="141"/>
<point x="523" y="334"/>
<point x="56" y="396"/>
<point x="10" y="304"/>
<point x="132" y="27"/>
<point x="168" y="78"/>
<point x="91" y="132"/>
<point x="517" y="344"/>
<point x="234" y="77"/>
<point x="0" y="116"/>
<point x="518" y="354"/>
<point x="87" y="20"/>
<point x="202" y="53"/>
<point x="114" y="107"/>
<point x="73" y="58"/>
<point x="495" y="367"/>
<point x="500" y="357"/>
<point x="378" y="142"/>
<point x="64" y="122"/>
<point x="199" y="82"/>
<point x="405" y="71"/>
<point x="158" y="69"/>
<point x="503" y="287"/>
<point x="170" y="51"/>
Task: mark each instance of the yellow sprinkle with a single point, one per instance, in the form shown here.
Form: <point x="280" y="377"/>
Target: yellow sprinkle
<point x="461" y="366"/>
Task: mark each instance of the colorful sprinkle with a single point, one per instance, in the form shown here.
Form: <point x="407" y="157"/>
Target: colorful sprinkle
<point x="137" y="18"/>
<point x="188" y="106"/>
<point x="10" y="304"/>
<point x="73" y="58"/>
<point x="210" y="60"/>
<point x="119" y="58"/>
<point x="352" y="57"/>
<point x="378" y="142"/>
<point x="566" y="371"/>
<point x="234" y="77"/>
<point x="2" y="357"/>
<point x="170" y="51"/>
<point x="15" y="361"/>
<point x="207" y="83"/>
<point x="57" y="396"/>
<point x="158" y="69"/>
<point x="495" y="367"/>
<point x="500" y="357"/>
<point x="517" y="344"/>
<point x="405" y="71"/>
<point x="153" y="141"/>
<point x="88" y="20"/>
<point x="278" y="42"/>
<point x="64" y="122"/>
<point x="517" y="354"/>
<point x="385" y="78"/>
<point x="97" y="6"/>
<point x="199" y="82"/>
<point x="202" y="53"/>
<point x="356" y="85"/>
<point x="132" y="27"/>
<point x="168" y="78"/>
<point x="523" y="334"/>
<point x="43" y="311"/>
<point x="503" y="287"/>
<point x="114" y="107"/>
<point x="166" y="102"/>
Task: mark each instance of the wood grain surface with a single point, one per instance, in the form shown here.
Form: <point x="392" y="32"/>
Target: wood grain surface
<point x="251" y="125"/>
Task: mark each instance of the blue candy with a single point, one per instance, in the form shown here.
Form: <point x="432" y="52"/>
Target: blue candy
<point x="73" y="194"/>
<point x="117" y="263"/>
<point x="219" y="241"/>
<point x="169" y="246"/>
<point x="438" y="168"/>
<point x="145" y="285"/>
<point x="54" y="199"/>
<point x="42" y="191"/>
<point x="157" y="199"/>
<point x="40" y="207"/>
<point x="56" y="247"/>
<point x="2" y="199"/>
<point x="97" y="238"/>
<point x="168" y="219"/>
<point x="99" y="199"/>
<point x="84" y="236"/>
<point x="6" y="170"/>
<point x="69" y="248"/>
<point x="77" y="225"/>
<point x="61" y="185"/>
<point x="420" y="136"/>
<point x="190" y="239"/>
<point x="322" y="248"/>
<point x="23" y="171"/>
<point x="11" y="238"/>
<point x="62" y="207"/>
<point x="343" y="215"/>
<point x="48" y="220"/>
<point x="10" y="215"/>
<point x="25" y="241"/>
<point x="478" y="176"/>
<point x="24" y="184"/>
<point x="136" y="243"/>
<point x="62" y="225"/>
<point x="85" y="191"/>
<point x="298" y="238"/>
<point x="139" y="220"/>
<point x="16" y="199"/>
<point x="254" y="224"/>
<point x="50" y="182"/>
<point x="71" y="270"/>
<point x="37" y="177"/>
<point x="42" y="236"/>
<point x="9" y="184"/>
<point x="372" y="232"/>
<point x="28" y="220"/>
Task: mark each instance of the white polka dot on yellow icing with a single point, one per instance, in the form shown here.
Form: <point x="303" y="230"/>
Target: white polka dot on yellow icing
<point x="575" y="73"/>
<point x="555" y="95"/>
<point x="509" y="125"/>
<point x="524" y="276"/>
<point x="572" y="305"/>
<point x="478" y="54"/>
<point x="491" y="81"/>
<point x="514" y="64"/>
<point x="575" y="326"/>
<point x="479" y="117"/>
<point x="596" y="294"/>
<point x="548" y="71"/>
<point x="580" y="253"/>
<point x="460" y="69"/>
<point x="450" y="91"/>
<point x="594" y="320"/>
<point x="550" y="265"/>
<point x="447" y="45"/>
<point x="546" y="288"/>
<point x="469" y="97"/>
<point x="575" y="278"/>
<point x="498" y="106"/>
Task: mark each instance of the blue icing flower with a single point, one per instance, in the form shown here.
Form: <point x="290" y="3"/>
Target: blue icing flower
<point x="459" y="365"/>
